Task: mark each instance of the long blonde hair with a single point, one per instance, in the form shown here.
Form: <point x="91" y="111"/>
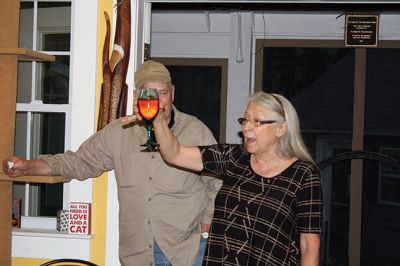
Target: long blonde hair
<point x="291" y="144"/>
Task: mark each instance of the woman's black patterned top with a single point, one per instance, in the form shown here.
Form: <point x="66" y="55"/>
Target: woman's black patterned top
<point x="258" y="220"/>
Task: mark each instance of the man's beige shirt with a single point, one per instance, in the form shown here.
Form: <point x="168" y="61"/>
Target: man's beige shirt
<point x="156" y="201"/>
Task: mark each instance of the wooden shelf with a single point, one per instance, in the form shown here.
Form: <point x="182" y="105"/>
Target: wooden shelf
<point x="35" y="179"/>
<point x="27" y="54"/>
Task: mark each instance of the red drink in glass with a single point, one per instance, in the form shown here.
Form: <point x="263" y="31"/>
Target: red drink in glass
<point x="148" y="108"/>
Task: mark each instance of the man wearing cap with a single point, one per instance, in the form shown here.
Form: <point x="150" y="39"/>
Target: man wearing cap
<point x="164" y="212"/>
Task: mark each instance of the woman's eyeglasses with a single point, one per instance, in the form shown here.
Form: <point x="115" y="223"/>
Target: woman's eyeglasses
<point x="255" y="123"/>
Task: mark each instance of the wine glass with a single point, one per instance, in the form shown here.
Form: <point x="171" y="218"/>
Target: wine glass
<point x="148" y="109"/>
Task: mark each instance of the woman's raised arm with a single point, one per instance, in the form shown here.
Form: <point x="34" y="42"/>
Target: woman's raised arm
<point x="171" y="150"/>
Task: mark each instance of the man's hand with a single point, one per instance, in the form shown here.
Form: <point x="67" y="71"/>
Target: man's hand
<point x="15" y="166"/>
<point x="132" y="118"/>
<point x="129" y="119"/>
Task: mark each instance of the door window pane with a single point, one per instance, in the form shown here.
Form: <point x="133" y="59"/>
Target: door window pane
<point x="318" y="81"/>
<point x="45" y="199"/>
<point x="198" y="92"/>
<point x="56" y="42"/>
<point x="54" y="88"/>
<point x="381" y="181"/>
<point x="54" y="17"/>
<point x="26" y="25"/>
<point x="335" y="242"/>
<point x="24" y="83"/>
<point x="47" y="134"/>
<point x="389" y="178"/>
<point x="51" y="83"/>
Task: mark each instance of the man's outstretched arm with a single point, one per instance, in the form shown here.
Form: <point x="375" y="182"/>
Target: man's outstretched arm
<point x="16" y="166"/>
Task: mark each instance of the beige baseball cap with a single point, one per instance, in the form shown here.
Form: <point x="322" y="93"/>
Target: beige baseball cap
<point x="151" y="71"/>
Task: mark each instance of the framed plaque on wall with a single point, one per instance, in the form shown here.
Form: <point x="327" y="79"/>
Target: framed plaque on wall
<point x="361" y="30"/>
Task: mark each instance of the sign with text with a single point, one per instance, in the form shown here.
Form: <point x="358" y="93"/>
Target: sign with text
<point x="79" y="218"/>
<point x="361" y="30"/>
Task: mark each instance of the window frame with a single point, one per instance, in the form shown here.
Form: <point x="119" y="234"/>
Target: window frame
<point x="36" y="106"/>
<point x="38" y="237"/>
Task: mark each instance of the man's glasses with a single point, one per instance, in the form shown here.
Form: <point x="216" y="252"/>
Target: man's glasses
<point x="255" y="123"/>
<point x="163" y="92"/>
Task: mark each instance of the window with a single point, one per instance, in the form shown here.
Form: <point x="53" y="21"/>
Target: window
<point x="55" y="114"/>
<point x="43" y="92"/>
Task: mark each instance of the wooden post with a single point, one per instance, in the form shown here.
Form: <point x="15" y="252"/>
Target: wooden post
<point x="355" y="223"/>
<point x="9" y="21"/>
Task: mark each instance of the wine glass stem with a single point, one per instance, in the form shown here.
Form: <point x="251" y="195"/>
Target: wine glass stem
<point x="149" y="126"/>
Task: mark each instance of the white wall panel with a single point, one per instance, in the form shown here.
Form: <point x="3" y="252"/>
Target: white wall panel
<point x="50" y="246"/>
<point x="112" y="230"/>
<point x="200" y="21"/>
<point x="389" y="25"/>
<point x="83" y="79"/>
<point x="239" y="74"/>
<point x="194" y="45"/>
<point x="299" y="25"/>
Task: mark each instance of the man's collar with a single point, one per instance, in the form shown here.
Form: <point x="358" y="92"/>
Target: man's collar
<point x="172" y="120"/>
